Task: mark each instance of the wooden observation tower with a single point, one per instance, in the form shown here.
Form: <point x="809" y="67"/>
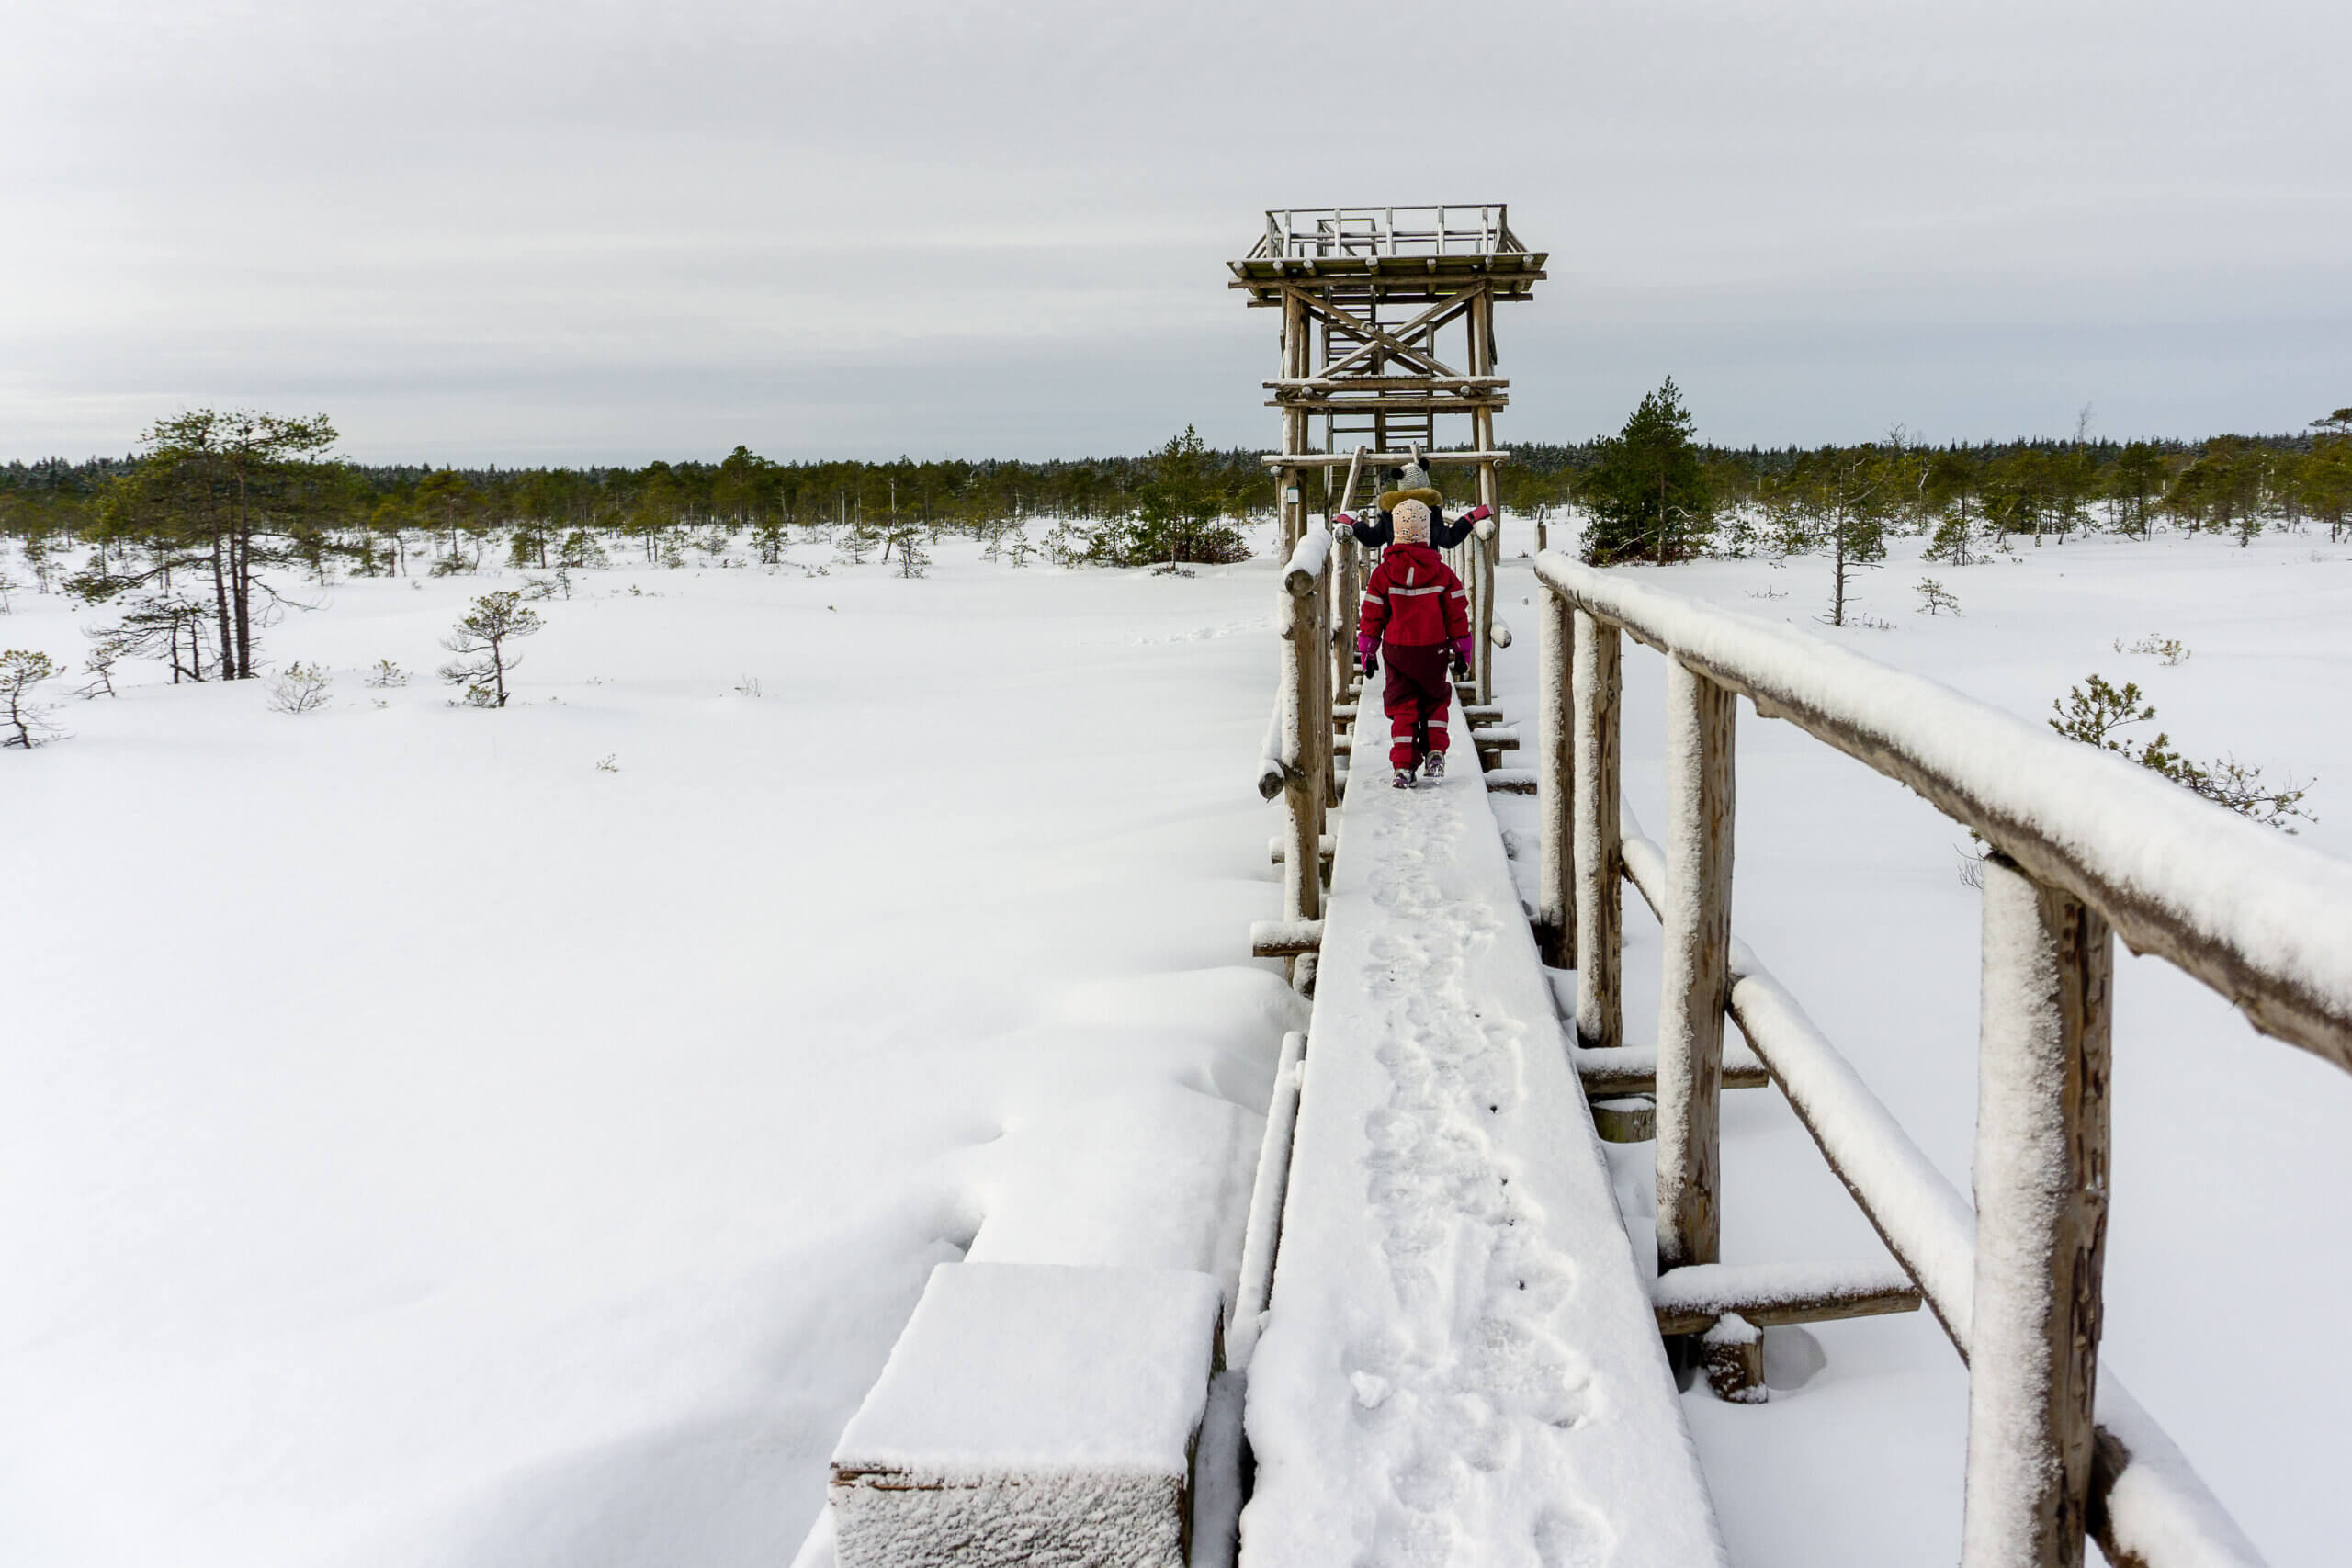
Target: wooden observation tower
<point x="1389" y="326"/>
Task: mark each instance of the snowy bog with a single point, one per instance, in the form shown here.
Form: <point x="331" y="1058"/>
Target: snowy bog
<point x="442" y="1136"/>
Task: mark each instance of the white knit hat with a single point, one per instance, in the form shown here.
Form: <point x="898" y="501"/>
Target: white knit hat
<point x="1412" y="521"/>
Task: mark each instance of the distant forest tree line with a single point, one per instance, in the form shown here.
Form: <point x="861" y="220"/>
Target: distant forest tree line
<point x="192" y="540"/>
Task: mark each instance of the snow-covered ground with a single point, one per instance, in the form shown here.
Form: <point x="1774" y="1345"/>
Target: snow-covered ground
<point x="420" y="1144"/>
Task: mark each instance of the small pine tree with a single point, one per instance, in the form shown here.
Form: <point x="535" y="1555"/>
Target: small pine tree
<point x="1951" y="491"/>
<point x="2092" y="716"/>
<point x="1838" y="502"/>
<point x="21" y="672"/>
<point x="300" y="688"/>
<point x="914" y="560"/>
<point x="1934" y="598"/>
<point x="479" y="641"/>
<point x="1647" y="494"/>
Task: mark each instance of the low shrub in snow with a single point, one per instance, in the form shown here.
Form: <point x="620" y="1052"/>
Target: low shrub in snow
<point x="300" y="688"/>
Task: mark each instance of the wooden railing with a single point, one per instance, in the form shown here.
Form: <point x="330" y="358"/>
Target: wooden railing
<point x="2084" y="847"/>
<point x="1458" y="229"/>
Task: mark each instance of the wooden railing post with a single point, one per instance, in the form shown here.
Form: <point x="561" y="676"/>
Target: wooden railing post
<point x="1601" y="1022"/>
<point x="1345" y="594"/>
<point x="1696" y="986"/>
<point x="1482" y="627"/>
<point x="1555" y="914"/>
<point x="2042" y="1168"/>
<point x="1323" y="676"/>
<point x="1302" y="720"/>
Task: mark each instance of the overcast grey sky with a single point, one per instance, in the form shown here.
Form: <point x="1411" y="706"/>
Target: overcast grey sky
<point x="517" y="231"/>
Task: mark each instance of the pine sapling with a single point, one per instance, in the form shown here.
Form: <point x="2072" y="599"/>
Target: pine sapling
<point x="300" y="688"/>
<point x="2092" y="717"/>
<point x="21" y="672"/>
<point x="109" y="646"/>
<point x="1935" y="600"/>
<point x="479" y="641"/>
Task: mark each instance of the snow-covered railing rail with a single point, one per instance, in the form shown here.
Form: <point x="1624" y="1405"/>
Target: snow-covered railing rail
<point x="2082" y="845"/>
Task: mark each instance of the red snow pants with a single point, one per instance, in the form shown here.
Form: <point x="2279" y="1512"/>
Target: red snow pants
<point x="1418" y="698"/>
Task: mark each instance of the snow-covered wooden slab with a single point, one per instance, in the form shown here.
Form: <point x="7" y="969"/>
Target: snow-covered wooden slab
<point x="1461" y="1364"/>
<point x="1031" y="1414"/>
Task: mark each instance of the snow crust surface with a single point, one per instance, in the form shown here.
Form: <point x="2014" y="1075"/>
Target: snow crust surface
<point x="523" y="1164"/>
<point x="1031" y="1412"/>
<point x="1011" y="1368"/>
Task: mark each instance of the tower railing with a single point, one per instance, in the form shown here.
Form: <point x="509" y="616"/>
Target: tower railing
<point x="1322" y="233"/>
<point x="2085" y="847"/>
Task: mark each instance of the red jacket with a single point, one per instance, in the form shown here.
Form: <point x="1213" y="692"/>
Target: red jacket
<point x="1414" y="600"/>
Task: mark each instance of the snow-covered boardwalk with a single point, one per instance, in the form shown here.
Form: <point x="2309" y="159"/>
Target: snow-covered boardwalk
<point x="1454" y="1356"/>
<point x="1460" y="1362"/>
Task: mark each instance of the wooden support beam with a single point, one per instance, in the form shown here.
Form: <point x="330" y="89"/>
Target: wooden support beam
<point x="1379" y="459"/>
<point x="2041" y="1191"/>
<point x="1278" y="851"/>
<point x="1348" y="407"/>
<point x="1696" y="985"/>
<point x="1331" y="383"/>
<point x="1600" y="862"/>
<point x="1284" y="939"/>
<point x="1632" y="1069"/>
<point x="1768" y="1294"/>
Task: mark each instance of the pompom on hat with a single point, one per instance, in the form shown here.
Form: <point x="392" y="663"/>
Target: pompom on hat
<point x="1411" y="520"/>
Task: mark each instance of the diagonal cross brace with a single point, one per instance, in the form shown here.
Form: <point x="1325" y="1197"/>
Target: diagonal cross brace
<point x="1393" y="340"/>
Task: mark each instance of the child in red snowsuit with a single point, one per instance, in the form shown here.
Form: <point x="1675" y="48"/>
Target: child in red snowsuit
<point x="1417" y="612"/>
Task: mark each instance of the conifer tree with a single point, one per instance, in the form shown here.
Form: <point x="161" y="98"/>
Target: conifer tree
<point x="1951" y="486"/>
<point x="223" y="496"/>
<point x="1648" y="493"/>
<point x="21" y="672"/>
<point x="479" y="641"/>
<point x="2134" y="483"/>
<point x="1837" y="502"/>
<point x="1177" y="508"/>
